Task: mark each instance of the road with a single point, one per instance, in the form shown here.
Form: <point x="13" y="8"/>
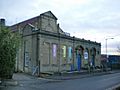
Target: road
<point x="89" y="83"/>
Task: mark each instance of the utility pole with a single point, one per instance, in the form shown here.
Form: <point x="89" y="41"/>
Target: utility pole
<point x="107" y="51"/>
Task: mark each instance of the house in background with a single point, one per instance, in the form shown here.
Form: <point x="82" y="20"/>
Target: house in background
<point x="113" y="61"/>
<point x="45" y="47"/>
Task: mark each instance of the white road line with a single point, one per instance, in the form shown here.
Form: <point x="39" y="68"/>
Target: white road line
<point x="110" y="78"/>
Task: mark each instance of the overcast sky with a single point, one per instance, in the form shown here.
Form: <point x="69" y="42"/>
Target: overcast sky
<point x="93" y="20"/>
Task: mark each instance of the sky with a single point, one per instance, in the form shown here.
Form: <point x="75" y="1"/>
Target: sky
<point x="95" y="20"/>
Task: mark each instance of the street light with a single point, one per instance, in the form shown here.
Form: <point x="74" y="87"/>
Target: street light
<point x="106" y="53"/>
<point x="106" y="47"/>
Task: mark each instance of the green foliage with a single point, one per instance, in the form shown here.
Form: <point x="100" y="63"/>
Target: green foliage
<point x="9" y="43"/>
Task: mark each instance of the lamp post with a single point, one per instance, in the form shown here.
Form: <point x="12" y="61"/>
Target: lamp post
<point x="106" y="47"/>
<point x="106" y="53"/>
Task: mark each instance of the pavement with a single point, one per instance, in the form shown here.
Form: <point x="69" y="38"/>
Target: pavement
<point x="22" y="78"/>
<point x="76" y="75"/>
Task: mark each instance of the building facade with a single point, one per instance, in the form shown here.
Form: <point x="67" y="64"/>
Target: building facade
<point x="113" y="61"/>
<point x="45" y="47"/>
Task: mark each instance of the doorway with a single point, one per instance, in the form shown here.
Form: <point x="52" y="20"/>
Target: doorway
<point x="93" y="60"/>
<point x="78" y="62"/>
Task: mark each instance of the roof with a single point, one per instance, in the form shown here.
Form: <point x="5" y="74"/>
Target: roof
<point x="23" y="23"/>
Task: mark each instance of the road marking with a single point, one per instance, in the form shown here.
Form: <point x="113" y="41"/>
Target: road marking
<point x="114" y="87"/>
<point x="110" y="78"/>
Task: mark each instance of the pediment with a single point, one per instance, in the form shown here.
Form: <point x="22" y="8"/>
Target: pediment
<point x="28" y="29"/>
<point x="49" y="14"/>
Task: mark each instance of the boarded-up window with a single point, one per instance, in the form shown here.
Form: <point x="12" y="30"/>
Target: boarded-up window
<point x="26" y="59"/>
<point x="54" y="49"/>
<point x="27" y="47"/>
<point x="64" y="54"/>
<point x="54" y="53"/>
<point x="69" y="54"/>
<point x="64" y="51"/>
<point x="46" y="53"/>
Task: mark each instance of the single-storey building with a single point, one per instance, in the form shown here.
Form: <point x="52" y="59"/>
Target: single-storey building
<point x="45" y="47"/>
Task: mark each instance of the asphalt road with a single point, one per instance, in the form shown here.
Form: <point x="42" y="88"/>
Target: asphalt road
<point x="89" y="83"/>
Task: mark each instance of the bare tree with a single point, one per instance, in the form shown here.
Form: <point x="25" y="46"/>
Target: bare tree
<point x="118" y="49"/>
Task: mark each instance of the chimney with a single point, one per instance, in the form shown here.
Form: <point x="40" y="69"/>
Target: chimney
<point x="2" y="22"/>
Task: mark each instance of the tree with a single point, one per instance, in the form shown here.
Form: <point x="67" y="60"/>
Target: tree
<point x="9" y="43"/>
<point x="118" y="49"/>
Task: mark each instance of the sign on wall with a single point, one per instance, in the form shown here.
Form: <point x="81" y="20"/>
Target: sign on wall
<point x="85" y="55"/>
<point x="54" y="50"/>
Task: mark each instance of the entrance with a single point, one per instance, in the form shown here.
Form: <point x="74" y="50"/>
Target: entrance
<point x="93" y="60"/>
<point x="79" y="62"/>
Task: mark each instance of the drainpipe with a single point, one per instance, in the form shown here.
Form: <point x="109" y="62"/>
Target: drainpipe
<point x="59" y="51"/>
<point x="24" y="56"/>
<point x="38" y="45"/>
<point x="73" y="51"/>
<point x="89" y="54"/>
<point x="37" y="54"/>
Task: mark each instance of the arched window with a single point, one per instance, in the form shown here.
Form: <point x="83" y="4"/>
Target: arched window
<point x="79" y="50"/>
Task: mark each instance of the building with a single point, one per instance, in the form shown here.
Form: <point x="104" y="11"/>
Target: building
<point x="113" y="61"/>
<point x="2" y="23"/>
<point x="46" y="48"/>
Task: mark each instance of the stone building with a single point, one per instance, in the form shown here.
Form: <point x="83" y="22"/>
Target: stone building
<point x="46" y="48"/>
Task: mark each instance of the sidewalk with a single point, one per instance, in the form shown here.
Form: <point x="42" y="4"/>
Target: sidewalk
<point x="76" y="75"/>
<point x="21" y="79"/>
<point x="25" y="79"/>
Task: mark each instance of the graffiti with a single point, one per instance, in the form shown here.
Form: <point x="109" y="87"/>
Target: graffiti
<point x="34" y="70"/>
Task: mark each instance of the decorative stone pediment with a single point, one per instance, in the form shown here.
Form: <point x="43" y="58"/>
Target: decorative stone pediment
<point x="28" y="29"/>
<point x="49" y="14"/>
<point x="49" y="22"/>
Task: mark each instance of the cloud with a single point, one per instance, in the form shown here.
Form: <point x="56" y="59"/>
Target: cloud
<point x="89" y="19"/>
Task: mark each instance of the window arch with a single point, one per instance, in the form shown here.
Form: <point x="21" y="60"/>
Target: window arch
<point x="79" y="49"/>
